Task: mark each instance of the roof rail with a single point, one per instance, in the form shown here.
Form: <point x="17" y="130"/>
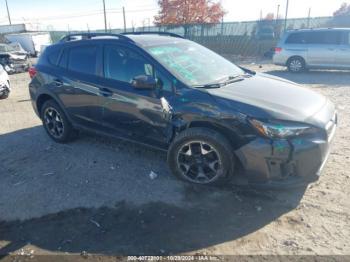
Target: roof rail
<point x="85" y="36"/>
<point x="153" y="33"/>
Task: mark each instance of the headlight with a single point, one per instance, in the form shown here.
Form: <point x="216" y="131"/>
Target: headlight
<point x="280" y="129"/>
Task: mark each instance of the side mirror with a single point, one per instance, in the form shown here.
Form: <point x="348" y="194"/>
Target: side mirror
<point x="144" y="82"/>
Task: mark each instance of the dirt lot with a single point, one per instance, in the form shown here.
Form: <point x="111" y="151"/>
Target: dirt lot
<point x="95" y="195"/>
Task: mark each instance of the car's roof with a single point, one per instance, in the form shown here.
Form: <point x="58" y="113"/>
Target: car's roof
<point x="150" y="40"/>
<point x="317" y="30"/>
<point x="143" y="40"/>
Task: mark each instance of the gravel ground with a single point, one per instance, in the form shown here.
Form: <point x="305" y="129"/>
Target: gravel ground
<point x="96" y="195"/>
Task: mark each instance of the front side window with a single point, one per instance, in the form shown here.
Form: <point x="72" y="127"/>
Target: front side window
<point x="193" y="64"/>
<point x="124" y="65"/>
<point x="83" y="59"/>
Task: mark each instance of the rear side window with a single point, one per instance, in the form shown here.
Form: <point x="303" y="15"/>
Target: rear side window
<point x="83" y="59"/>
<point x="325" y="38"/>
<point x="297" y="38"/>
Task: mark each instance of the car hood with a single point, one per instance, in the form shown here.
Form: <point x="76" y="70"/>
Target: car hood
<point x="277" y="97"/>
<point x="16" y="56"/>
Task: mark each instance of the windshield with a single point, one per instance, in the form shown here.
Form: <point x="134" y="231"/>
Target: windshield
<point x="194" y="64"/>
<point x="6" y="48"/>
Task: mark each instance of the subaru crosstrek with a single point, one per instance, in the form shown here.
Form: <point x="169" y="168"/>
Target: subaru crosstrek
<point x="212" y="117"/>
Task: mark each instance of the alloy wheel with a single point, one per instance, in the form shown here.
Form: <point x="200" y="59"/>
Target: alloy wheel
<point x="199" y="162"/>
<point x="296" y="65"/>
<point x="53" y="122"/>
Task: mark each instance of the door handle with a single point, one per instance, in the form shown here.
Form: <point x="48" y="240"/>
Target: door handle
<point x="58" y="83"/>
<point x="105" y="92"/>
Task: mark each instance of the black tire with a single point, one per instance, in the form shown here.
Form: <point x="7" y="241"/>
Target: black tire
<point x="296" y="64"/>
<point x="67" y="133"/>
<point x="203" y="137"/>
<point x="6" y="93"/>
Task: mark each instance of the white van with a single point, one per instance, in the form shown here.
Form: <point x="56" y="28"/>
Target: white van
<point x="32" y="42"/>
<point x="314" y="49"/>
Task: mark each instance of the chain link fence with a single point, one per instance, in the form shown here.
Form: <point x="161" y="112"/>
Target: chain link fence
<point x="238" y="40"/>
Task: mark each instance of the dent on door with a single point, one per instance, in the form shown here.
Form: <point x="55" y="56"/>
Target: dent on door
<point x="83" y="102"/>
<point x="141" y="115"/>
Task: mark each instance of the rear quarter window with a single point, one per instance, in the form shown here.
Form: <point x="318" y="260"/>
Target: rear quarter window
<point x="53" y="57"/>
<point x="50" y="57"/>
<point x="297" y="38"/>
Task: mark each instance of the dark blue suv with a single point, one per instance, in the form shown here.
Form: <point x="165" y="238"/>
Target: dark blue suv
<point x="213" y="117"/>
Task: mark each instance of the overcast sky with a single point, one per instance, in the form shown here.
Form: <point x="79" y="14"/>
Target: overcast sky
<point x="81" y="14"/>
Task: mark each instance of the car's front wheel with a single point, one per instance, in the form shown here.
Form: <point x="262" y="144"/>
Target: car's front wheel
<point x="201" y="156"/>
<point x="56" y="123"/>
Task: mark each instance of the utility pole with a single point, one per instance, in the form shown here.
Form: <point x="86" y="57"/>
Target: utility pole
<point x="105" y="15"/>
<point x="133" y="25"/>
<point x="308" y="18"/>
<point x="124" y="19"/>
<point x="286" y="18"/>
<point x="278" y="12"/>
<point x="222" y="25"/>
<point x="8" y="12"/>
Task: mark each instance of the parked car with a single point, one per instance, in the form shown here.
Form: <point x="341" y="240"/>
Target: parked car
<point x="31" y="42"/>
<point x="314" y="49"/>
<point x="5" y="88"/>
<point x="19" y="49"/>
<point x="13" y="61"/>
<point x="265" y="33"/>
<point x="211" y="116"/>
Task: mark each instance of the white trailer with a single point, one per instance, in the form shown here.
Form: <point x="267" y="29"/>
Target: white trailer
<point x="32" y="42"/>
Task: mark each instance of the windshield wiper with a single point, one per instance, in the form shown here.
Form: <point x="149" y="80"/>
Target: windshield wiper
<point x="224" y="82"/>
<point x="208" y="86"/>
<point x="231" y="79"/>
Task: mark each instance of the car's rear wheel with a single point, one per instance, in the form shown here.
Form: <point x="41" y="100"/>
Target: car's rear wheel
<point x="56" y="123"/>
<point x="201" y="156"/>
<point x="296" y="65"/>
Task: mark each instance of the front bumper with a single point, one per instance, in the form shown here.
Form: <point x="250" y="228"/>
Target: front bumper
<point x="293" y="162"/>
<point x="20" y="66"/>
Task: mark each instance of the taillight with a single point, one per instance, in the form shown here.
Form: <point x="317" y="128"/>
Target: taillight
<point x="278" y="49"/>
<point x="32" y="72"/>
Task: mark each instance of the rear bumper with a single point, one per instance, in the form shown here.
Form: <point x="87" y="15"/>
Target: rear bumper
<point x="279" y="59"/>
<point x="285" y="163"/>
